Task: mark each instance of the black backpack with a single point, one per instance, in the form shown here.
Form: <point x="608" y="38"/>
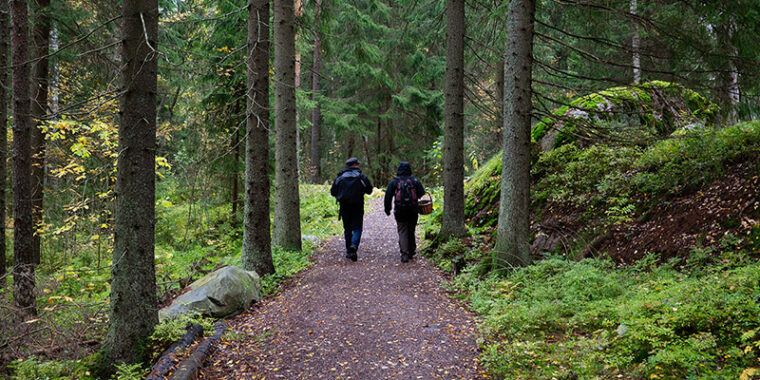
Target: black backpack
<point x="406" y="195"/>
<point x="350" y="187"/>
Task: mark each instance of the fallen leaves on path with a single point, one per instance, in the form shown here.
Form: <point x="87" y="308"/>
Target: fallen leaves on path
<point x="377" y="318"/>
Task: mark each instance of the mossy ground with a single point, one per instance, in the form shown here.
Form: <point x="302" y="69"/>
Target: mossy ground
<point x="626" y="114"/>
<point x="691" y="312"/>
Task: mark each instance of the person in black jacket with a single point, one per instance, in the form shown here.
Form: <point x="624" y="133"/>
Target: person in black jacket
<point x="349" y="188"/>
<point x="403" y="193"/>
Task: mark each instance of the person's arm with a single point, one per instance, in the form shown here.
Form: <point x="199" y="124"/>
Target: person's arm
<point x="389" y="197"/>
<point x="419" y="188"/>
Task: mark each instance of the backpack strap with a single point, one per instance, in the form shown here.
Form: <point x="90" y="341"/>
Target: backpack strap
<point x="398" y="191"/>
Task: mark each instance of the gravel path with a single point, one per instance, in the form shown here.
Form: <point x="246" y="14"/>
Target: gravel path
<point x="377" y="318"/>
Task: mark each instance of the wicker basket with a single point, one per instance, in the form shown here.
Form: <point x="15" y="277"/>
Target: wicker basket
<point x="425" y="205"/>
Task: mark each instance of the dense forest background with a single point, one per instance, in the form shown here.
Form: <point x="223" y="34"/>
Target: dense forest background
<point x="369" y="82"/>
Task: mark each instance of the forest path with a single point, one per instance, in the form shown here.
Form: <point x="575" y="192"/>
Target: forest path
<point x="377" y="318"/>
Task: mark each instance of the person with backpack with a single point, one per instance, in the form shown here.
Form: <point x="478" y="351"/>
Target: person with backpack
<point x="403" y="193"/>
<point x="349" y="188"/>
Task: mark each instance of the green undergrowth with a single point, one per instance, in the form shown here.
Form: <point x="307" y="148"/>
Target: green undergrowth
<point x="627" y="113"/>
<point x="614" y="183"/>
<point x="191" y="240"/>
<point x="564" y="319"/>
<point x="695" y="318"/>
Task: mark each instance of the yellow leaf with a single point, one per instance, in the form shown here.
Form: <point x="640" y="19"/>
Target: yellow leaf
<point x="749" y="373"/>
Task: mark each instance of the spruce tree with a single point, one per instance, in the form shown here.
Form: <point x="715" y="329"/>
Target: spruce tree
<point x="134" y="307"/>
<point x="452" y="223"/>
<point x="41" y="39"/>
<point x="23" y="230"/>
<point x="4" y="85"/>
<point x="257" y="252"/>
<point x="513" y="232"/>
<point x="287" y="218"/>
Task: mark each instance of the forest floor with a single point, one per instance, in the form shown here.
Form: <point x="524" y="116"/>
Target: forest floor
<point x="377" y="318"/>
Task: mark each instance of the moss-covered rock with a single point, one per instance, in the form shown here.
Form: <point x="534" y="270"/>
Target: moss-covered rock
<point x="632" y="114"/>
<point x="482" y="194"/>
<point x="219" y="294"/>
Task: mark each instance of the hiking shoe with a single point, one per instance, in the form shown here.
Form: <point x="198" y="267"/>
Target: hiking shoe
<point x="352" y="253"/>
<point x="404" y="258"/>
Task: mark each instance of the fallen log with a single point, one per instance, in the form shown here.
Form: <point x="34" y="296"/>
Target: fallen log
<point x="191" y="366"/>
<point x="166" y="363"/>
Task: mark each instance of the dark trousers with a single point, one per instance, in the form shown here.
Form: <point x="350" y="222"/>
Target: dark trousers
<point x="353" y="221"/>
<point x="406" y="238"/>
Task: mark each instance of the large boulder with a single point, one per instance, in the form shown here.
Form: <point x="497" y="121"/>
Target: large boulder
<point x="224" y="292"/>
<point x="633" y="114"/>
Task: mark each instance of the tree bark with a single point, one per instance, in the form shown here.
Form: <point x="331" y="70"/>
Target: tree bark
<point x="4" y="85"/>
<point x="257" y="252"/>
<point x="513" y="233"/>
<point x="39" y="109"/>
<point x="635" y="42"/>
<point x="452" y="224"/>
<point x="23" y="230"/>
<point x="287" y="226"/>
<point x="235" y="168"/>
<point x="500" y="101"/>
<point x="134" y="311"/>
<point x="316" y="176"/>
<point x="54" y="93"/>
<point x="728" y="88"/>
<point x="298" y="11"/>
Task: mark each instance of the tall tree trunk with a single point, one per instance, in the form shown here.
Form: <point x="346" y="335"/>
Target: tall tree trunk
<point x="287" y="226"/>
<point x="635" y="42"/>
<point x="728" y="80"/>
<point x="298" y="10"/>
<point x="234" y="177"/>
<point x="54" y="77"/>
<point x="388" y="154"/>
<point x="316" y="176"/>
<point x="453" y="132"/>
<point x="500" y="101"/>
<point x="513" y="233"/>
<point x="134" y="310"/>
<point x="4" y="85"/>
<point x="257" y="252"/>
<point x="39" y="108"/>
<point x="350" y="144"/>
<point x="378" y="148"/>
<point x="23" y="229"/>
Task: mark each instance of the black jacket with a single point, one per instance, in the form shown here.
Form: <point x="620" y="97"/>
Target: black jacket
<point x="366" y="186"/>
<point x="404" y="171"/>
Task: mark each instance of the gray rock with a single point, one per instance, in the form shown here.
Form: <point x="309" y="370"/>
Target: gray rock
<point x="311" y="239"/>
<point x="221" y="293"/>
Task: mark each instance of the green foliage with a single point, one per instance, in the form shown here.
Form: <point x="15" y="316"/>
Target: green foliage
<point x="589" y="319"/>
<point x="445" y="252"/>
<point x="190" y="241"/>
<point x="630" y="114"/>
<point x="172" y="329"/>
<point x="695" y="157"/>
<point x="614" y="183"/>
<point x="482" y="193"/>
<point x="32" y="368"/>
<point x="286" y="264"/>
<point x="319" y="211"/>
<point x="130" y="372"/>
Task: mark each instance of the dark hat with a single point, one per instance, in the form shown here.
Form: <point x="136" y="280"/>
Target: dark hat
<point x="353" y="161"/>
